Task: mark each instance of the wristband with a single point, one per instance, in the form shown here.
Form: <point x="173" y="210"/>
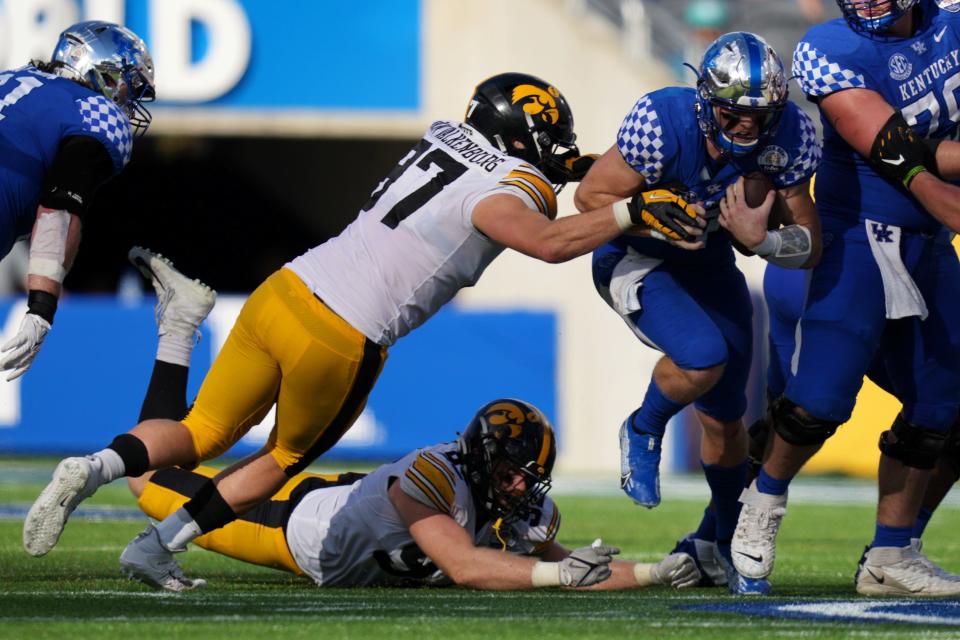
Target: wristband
<point x="545" y="574"/>
<point x="621" y="214"/>
<point x="770" y="244"/>
<point x="643" y="574"/>
<point x="43" y="304"/>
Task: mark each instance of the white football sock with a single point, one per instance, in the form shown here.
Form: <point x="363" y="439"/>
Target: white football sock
<point x="175" y="349"/>
<point x="177" y="529"/>
<point x="108" y="465"/>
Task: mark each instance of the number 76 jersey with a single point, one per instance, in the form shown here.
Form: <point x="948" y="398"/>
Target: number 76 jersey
<point x="919" y="76"/>
<point x="414" y="246"/>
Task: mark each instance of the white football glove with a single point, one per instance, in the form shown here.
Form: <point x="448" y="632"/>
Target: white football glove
<point x="677" y="570"/>
<point x="18" y="353"/>
<point x="587" y="565"/>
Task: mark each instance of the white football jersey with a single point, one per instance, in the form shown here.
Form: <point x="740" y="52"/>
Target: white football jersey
<point x="353" y="535"/>
<point x="414" y="246"/>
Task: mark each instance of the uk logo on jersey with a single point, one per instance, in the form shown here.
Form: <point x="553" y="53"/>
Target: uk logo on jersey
<point x="919" y="47"/>
<point x="881" y="232"/>
<point x="899" y="66"/>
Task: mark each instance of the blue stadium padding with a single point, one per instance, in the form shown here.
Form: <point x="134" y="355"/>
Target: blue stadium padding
<point x="88" y="382"/>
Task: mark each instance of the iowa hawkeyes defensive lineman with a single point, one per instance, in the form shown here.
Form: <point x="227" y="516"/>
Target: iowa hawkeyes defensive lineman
<point x="314" y="336"/>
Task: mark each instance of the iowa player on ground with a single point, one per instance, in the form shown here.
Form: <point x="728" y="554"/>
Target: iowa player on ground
<point x="313" y="338"/>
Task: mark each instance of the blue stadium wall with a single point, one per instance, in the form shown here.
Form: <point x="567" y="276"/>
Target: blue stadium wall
<point x="89" y="380"/>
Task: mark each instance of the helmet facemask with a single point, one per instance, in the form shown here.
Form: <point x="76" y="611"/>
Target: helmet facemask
<point x="874" y="17"/>
<point x="508" y="450"/>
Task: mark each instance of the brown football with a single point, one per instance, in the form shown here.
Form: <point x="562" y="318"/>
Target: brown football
<point x="755" y="188"/>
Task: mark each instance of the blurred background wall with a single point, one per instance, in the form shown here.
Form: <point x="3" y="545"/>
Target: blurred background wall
<point x="276" y="120"/>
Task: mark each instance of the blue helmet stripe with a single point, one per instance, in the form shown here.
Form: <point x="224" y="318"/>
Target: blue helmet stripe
<point x="755" y="54"/>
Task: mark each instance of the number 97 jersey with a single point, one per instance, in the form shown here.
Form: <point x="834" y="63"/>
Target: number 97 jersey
<point x="920" y="76"/>
<point x="414" y="246"/>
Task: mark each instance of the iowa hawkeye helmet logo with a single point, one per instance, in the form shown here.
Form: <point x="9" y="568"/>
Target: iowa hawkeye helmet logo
<point x="538" y="101"/>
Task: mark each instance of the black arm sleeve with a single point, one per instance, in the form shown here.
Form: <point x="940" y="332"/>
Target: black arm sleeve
<point x="81" y="166"/>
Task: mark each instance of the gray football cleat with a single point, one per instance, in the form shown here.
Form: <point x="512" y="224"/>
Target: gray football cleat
<point x="182" y="303"/>
<point x="147" y="559"/>
<point x="74" y="480"/>
<point x="903" y="571"/>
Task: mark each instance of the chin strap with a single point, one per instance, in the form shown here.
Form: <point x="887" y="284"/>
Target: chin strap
<point x="496" y="530"/>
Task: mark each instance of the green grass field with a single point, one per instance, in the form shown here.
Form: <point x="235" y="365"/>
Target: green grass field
<point x="76" y="591"/>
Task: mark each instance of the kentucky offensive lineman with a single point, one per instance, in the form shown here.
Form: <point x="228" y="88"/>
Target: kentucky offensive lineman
<point x="314" y="336"/>
<point x="66" y="126"/>
<point x="887" y="290"/>
<point x="695" y="306"/>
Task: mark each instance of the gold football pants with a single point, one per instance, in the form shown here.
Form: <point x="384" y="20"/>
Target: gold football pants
<point x="287" y="347"/>
<point x="257" y="536"/>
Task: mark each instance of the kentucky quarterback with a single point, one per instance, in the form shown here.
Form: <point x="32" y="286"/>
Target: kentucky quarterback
<point x="714" y="144"/>
<point x="66" y="126"/>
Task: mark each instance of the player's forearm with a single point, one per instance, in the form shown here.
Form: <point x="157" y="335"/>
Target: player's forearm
<point x="941" y="199"/>
<point x="575" y="235"/>
<point x="948" y="160"/>
<point x="491" y="570"/>
<point x="588" y="199"/>
<point x="53" y="248"/>
<point x="625" y="575"/>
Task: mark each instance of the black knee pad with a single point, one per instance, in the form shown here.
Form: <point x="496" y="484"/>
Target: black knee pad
<point x="759" y="435"/>
<point x="913" y="445"/>
<point x="798" y="429"/>
<point x="951" y="449"/>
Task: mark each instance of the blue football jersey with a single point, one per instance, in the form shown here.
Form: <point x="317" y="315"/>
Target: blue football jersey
<point x="920" y="76"/>
<point x="37" y="111"/>
<point x="661" y="139"/>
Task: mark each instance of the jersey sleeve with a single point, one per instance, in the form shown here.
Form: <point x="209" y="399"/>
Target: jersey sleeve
<point x="641" y="141"/>
<point x="821" y="74"/>
<point x="528" y="184"/>
<point x="804" y="152"/>
<point x="431" y="480"/>
<point x="103" y="120"/>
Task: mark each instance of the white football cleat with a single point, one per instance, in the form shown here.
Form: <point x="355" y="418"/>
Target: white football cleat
<point x="147" y="559"/>
<point x="917" y="545"/>
<point x="74" y="480"/>
<point x="903" y="571"/>
<point x="182" y="303"/>
<point x="754" y="542"/>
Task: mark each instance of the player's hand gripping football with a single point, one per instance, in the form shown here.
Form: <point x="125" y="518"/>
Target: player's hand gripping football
<point x="587" y="565"/>
<point x="18" y="353"/>
<point x="668" y="217"/>
<point x="747" y="224"/>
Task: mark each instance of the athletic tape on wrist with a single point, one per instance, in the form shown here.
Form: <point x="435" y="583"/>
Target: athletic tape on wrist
<point x="48" y="248"/>
<point x="770" y="244"/>
<point x="545" y="574"/>
<point x="643" y="574"/>
<point x="621" y="213"/>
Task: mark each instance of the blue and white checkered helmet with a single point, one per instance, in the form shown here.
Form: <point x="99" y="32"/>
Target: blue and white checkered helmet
<point x="111" y="60"/>
<point x="740" y="72"/>
<point x="874" y="16"/>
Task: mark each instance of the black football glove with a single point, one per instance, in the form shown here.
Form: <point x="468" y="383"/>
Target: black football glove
<point x="569" y="166"/>
<point x="665" y="212"/>
<point x="898" y="154"/>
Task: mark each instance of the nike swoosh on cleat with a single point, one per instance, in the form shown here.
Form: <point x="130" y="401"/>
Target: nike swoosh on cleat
<point x="754" y="558"/>
<point x="900" y="160"/>
<point x="879" y="579"/>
